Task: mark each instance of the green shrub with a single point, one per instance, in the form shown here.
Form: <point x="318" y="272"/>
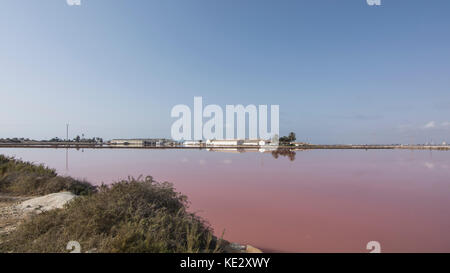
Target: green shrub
<point x="24" y="178"/>
<point x="128" y="216"/>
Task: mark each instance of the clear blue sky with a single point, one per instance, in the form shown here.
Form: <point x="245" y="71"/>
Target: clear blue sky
<point x="341" y="71"/>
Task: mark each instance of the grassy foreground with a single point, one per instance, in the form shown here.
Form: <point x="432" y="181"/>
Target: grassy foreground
<point x="128" y="216"/>
<point x="24" y="178"/>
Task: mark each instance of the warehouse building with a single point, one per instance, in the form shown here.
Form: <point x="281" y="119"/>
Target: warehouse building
<point x="141" y="142"/>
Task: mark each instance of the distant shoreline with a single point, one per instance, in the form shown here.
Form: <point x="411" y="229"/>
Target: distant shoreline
<point x="239" y="147"/>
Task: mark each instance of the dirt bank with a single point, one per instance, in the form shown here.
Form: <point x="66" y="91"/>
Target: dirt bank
<point x="10" y="215"/>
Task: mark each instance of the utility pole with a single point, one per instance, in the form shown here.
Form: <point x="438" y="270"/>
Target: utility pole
<point x="67" y="132"/>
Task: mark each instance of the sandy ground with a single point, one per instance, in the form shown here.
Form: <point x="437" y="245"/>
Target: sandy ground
<point x="14" y="210"/>
<point x="10" y="215"/>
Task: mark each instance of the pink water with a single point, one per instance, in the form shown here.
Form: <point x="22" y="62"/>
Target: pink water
<point x="323" y="201"/>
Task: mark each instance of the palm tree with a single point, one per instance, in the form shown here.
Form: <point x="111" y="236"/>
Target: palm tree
<point x="292" y="137"/>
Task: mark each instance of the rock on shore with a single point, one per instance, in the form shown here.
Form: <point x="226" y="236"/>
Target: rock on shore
<point x="239" y="248"/>
<point x="46" y="202"/>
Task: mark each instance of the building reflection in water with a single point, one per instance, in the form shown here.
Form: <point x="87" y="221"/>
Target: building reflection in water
<point x="285" y="153"/>
<point x="276" y="152"/>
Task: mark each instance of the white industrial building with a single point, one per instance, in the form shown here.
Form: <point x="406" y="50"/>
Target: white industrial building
<point x="237" y="142"/>
<point x="227" y="142"/>
<point x="255" y="142"/>
<point x="224" y="142"/>
<point x="192" y="143"/>
<point x="128" y="142"/>
<point x="141" y="142"/>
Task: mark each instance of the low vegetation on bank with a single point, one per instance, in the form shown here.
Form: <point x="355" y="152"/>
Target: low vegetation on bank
<point x="135" y="215"/>
<point x="24" y="178"/>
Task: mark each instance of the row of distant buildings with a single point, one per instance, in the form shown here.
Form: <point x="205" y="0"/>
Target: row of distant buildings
<point x="190" y="143"/>
<point x="140" y="142"/>
<point x="143" y="142"/>
<point x="229" y="142"/>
